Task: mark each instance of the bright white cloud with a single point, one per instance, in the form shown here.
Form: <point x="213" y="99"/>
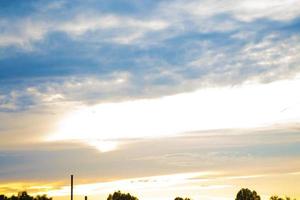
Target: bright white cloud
<point x="247" y="106"/>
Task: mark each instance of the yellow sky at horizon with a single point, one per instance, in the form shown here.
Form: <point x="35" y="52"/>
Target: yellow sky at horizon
<point x="208" y="185"/>
<point x="197" y="185"/>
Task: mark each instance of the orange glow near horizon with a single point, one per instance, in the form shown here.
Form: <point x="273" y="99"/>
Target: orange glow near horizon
<point x="197" y="185"/>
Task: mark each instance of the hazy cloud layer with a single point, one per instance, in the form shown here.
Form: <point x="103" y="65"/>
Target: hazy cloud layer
<point x="229" y="151"/>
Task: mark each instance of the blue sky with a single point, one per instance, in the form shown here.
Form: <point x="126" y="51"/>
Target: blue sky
<point x="141" y="71"/>
<point x="155" y="45"/>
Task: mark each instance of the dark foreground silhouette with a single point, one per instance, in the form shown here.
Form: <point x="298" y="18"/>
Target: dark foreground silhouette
<point x="25" y="196"/>
<point x="243" y="194"/>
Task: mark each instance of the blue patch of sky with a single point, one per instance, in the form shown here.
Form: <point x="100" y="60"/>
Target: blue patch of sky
<point x="292" y="27"/>
<point x="16" y="8"/>
<point x="122" y="7"/>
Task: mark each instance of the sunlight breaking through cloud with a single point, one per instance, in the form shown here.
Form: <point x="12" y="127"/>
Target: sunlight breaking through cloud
<point x="246" y="106"/>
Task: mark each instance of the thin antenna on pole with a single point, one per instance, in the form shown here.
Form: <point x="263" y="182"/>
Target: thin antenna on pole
<point x="72" y="187"/>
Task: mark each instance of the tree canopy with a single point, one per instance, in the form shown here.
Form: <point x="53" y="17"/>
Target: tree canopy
<point x="121" y="196"/>
<point x="279" y="198"/>
<point x="180" y="198"/>
<point x="25" y="196"/>
<point x="243" y="194"/>
<point x="246" y="194"/>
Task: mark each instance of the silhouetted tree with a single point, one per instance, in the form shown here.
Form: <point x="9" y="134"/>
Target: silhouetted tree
<point x="275" y="198"/>
<point x="3" y="197"/>
<point x="42" y="197"/>
<point x="246" y="194"/>
<point x="279" y="198"/>
<point x="121" y="196"/>
<point x="24" y="196"/>
<point x="180" y="198"/>
<point x="13" y="197"/>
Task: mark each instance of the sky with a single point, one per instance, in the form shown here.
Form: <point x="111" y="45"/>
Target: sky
<point x="161" y="99"/>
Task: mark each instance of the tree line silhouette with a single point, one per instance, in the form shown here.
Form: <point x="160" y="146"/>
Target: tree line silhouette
<point x="243" y="194"/>
<point x="24" y="196"/>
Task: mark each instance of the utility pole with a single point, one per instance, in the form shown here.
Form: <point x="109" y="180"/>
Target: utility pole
<point x="85" y="198"/>
<point x="72" y="187"/>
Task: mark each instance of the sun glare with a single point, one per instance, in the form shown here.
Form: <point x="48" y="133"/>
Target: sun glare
<point x="103" y="146"/>
<point x="246" y="106"/>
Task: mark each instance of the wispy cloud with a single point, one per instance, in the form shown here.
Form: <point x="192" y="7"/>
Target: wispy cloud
<point x="168" y="48"/>
<point x="243" y="10"/>
<point x="109" y="28"/>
